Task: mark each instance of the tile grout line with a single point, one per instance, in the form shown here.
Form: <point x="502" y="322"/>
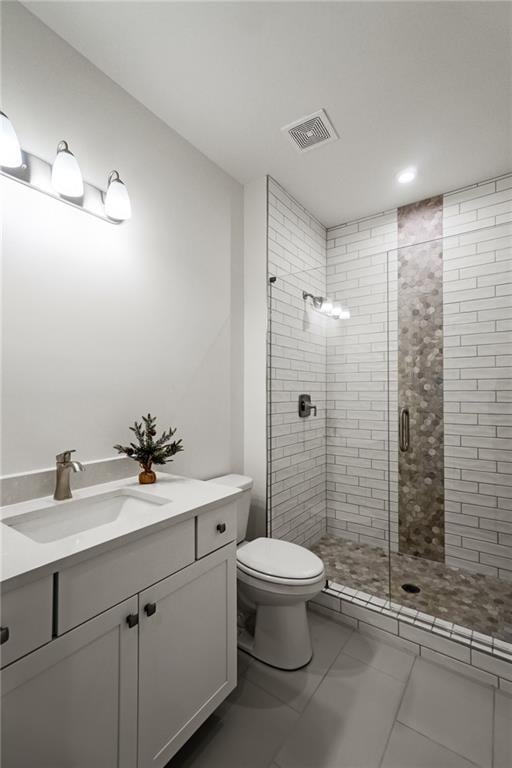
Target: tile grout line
<point x="300" y="712"/>
<point x="493" y="723"/>
<point x="395" y="719"/>
<point x="438" y="744"/>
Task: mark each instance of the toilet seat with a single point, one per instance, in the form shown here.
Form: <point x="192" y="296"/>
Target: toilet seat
<point x="279" y="562"/>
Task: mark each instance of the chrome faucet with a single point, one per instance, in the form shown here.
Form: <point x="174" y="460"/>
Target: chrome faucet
<point x="64" y="467"/>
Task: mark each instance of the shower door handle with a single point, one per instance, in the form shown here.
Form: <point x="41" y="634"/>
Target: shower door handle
<point x="403" y="429"/>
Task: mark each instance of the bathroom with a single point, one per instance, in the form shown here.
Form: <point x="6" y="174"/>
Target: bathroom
<point x="274" y="241"/>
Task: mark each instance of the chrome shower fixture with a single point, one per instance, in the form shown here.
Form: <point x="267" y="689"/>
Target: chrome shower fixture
<point x="327" y="307"/>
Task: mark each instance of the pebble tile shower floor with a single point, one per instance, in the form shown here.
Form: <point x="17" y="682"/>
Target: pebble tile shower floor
<point x="471" y="600"/>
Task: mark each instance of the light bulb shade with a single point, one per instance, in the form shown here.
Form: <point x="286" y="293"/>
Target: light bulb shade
<point x="10" y="150"/>
<point x="117" y="200"/>
<point x="66" y="173"/>
<point x="327" y="306"/>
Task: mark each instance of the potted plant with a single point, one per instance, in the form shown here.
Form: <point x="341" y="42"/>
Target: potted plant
<point x="148" y="451"/>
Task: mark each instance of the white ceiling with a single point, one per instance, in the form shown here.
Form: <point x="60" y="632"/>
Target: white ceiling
<point x="425" y="84"/>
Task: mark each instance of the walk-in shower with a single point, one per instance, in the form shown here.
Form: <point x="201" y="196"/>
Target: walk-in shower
<point x="402" y="482"/>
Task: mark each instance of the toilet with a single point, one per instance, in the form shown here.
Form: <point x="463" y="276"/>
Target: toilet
<point x="275" y="581"/>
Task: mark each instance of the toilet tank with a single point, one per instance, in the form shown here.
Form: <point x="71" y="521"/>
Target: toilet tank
<point x="244" y="502"/>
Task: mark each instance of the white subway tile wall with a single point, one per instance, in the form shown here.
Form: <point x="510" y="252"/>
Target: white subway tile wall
<point x="361" y="455"/>
<point x="330" y="473"/>
<point x="297" y="359"/>
<point x="477" y="276"/>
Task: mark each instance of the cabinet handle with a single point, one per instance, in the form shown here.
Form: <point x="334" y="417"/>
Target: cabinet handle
<point x="150" y="609"/>
<point x="221" y="528"/>
<point x="4" y="635"/>
<point x="132" y="620"/>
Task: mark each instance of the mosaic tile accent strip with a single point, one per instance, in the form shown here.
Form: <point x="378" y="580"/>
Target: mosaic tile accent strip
<point x="420" y="378"/>
<point x="455" y="597"/>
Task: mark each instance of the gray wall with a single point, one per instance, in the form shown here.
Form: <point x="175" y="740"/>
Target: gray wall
<point x="104" y="323"/>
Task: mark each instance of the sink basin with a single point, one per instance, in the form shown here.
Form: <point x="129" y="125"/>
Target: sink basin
<point x="68" y="518"/>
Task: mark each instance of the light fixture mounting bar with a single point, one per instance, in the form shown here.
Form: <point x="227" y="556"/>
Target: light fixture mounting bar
<point x="36" y="173"/>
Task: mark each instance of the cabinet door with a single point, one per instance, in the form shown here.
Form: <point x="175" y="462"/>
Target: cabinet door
<point x="187" y="653"/>
<point x="73" y="702"/>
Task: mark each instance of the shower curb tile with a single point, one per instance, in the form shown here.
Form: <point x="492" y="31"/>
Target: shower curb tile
<point x="459" y="666"/>
<point x="371" y="617"/>
<point x="378" y="601"/>
<point x="450" y="641"/>
<point x="481" y="647"/>
<point x="501" y="645"/>
<point x="422" y="625"/>
<point x="447" y="643"/>
<point x="461" y="640"/>
<point x="492" y="664"/>
<point x="443" y="624"/>
<point x="337" y="616"/>
<point x="480" y="638"/>
<point x="388" y="637"/>
<point x="441" y="632"/>
<point x="462" y="630"/>
<point x="435" y="642"/>
<point x="328" y="600"/>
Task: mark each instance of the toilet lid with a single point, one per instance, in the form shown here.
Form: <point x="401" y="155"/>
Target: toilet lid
<point x="280" y="559"/>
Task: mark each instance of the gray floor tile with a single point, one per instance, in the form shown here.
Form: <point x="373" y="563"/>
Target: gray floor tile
<point x="503" y="730"/>
<point x="451" y="710"/>
<point x="296" y="688"/>
<point x="381" y="655"/>
<point x="348" y="720"/>
<point x="246" y="731"/>
<point x="409" y="749"/>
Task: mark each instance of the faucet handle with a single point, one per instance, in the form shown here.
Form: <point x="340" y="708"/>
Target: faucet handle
<point x="65" y="456"/>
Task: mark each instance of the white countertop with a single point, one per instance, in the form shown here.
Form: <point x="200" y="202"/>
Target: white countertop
<point x="22" y="556"/>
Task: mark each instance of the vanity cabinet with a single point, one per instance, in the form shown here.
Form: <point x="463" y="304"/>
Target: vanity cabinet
<point x="73" y="702"/>
<point x="129" y="686"/>
<point x="187" y="653"/>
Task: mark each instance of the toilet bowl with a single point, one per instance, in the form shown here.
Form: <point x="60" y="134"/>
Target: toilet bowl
<point x="275" y="581"/>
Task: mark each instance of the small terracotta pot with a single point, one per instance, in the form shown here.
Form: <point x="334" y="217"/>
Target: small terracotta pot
<point x="147" y="476"/>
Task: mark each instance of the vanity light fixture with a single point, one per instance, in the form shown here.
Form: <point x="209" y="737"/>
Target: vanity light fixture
<point x="407" y="175"/>
<point x="117" y="200"/>
<point x="66" y="173"/>
<point x="10" y="150"/>
<point x="61" y="180"/>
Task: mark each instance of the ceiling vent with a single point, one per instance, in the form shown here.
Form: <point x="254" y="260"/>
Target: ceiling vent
<point x="311" y="131"/>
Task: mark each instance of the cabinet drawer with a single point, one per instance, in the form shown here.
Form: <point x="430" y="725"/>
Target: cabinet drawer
<point x="216" y="528"/>
<point x="91" y="586"/>
<point x="26" y="618"/>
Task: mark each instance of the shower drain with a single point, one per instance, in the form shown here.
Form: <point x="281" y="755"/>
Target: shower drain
<point x="411" y="588"/>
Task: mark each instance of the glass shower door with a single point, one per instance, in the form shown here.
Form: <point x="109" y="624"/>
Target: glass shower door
<point x="453" y="428"/>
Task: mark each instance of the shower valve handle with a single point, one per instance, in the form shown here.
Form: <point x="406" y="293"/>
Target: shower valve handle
<point x="306" y="406"/>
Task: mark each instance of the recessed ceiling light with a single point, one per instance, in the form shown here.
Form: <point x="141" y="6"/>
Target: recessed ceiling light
<point x="407" y="175"/>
